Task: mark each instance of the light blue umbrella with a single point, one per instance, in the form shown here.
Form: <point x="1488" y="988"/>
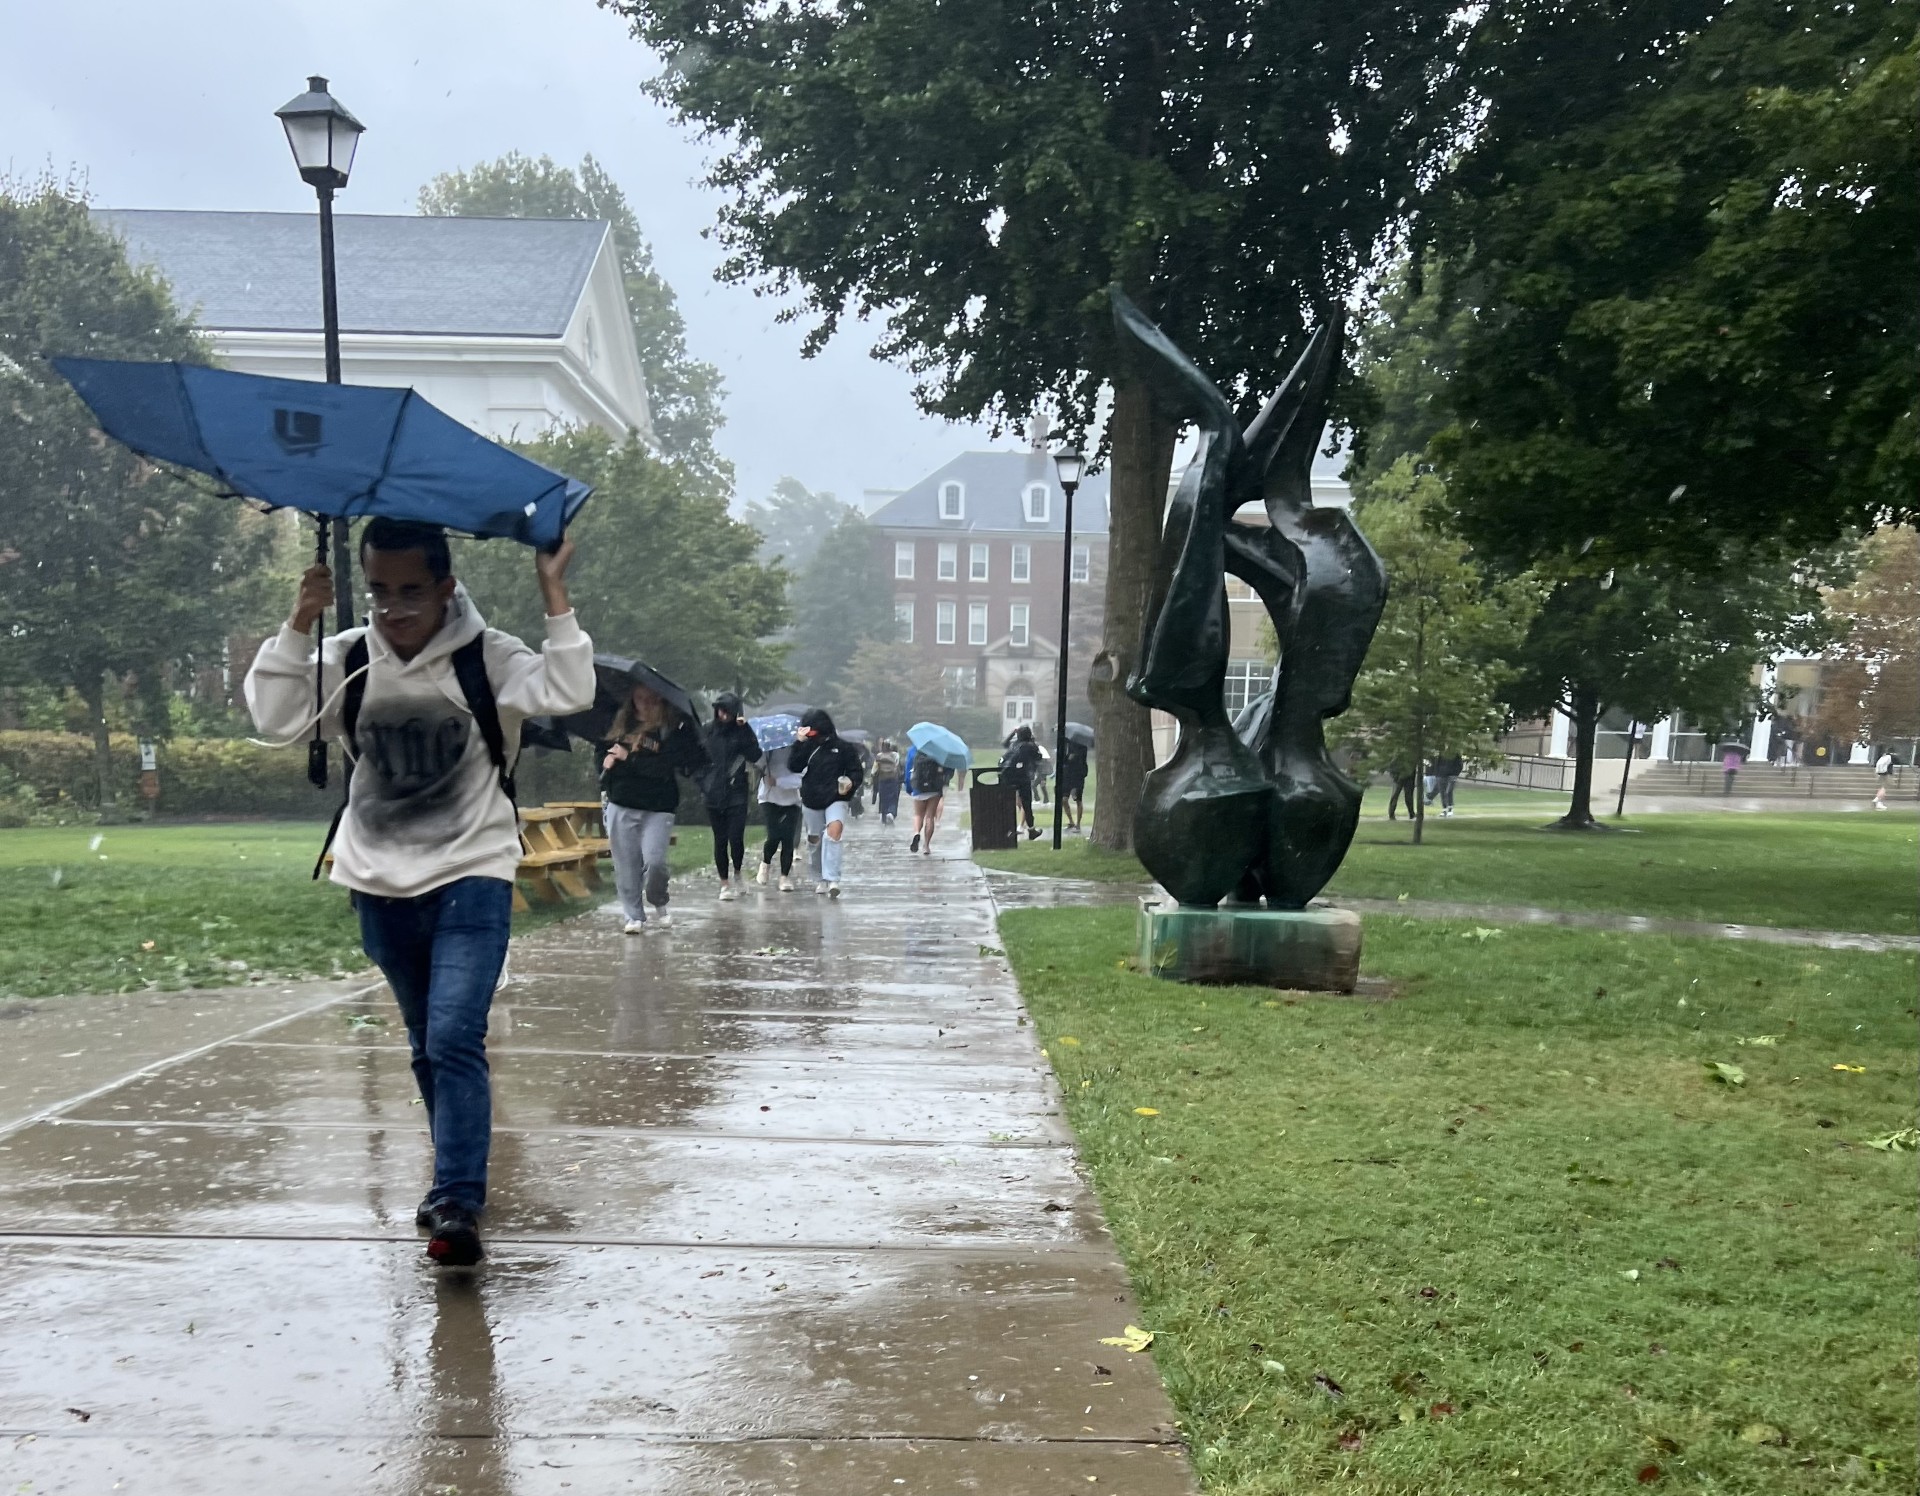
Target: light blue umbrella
<point x="780" y="730"/>
<point x="944" y="746"/>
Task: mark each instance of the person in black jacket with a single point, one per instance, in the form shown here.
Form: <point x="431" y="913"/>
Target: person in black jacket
<point x="1018" y="765"/>
<point x="830" y="771"/>
<point x="650" y="743"/>
<point x="730" y="746"/>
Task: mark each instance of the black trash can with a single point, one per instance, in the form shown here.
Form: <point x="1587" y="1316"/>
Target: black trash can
<point x="996" y="812"/>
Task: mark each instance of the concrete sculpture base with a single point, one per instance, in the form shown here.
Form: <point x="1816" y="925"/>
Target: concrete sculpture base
<point x="1315" y="950"/>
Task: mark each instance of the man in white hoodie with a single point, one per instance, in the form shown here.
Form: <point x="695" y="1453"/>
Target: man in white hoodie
<point x="429" y="701"/>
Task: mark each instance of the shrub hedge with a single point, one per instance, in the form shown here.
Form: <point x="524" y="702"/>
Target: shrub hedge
<point x="198" y="776"/>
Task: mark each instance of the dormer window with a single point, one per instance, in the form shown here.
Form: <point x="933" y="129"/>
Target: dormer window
<point x="953" y="501"/>
<point x="1039" y="501"/>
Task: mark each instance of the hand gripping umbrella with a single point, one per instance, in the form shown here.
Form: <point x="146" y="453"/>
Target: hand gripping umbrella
<point x="335" y="451"/>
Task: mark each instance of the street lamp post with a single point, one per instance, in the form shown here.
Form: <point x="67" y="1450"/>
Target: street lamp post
<point x="323" y="137"/>
<point x="1069" y="464"/>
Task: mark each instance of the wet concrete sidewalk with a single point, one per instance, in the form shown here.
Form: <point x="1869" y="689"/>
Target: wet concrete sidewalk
<point x="1037" y="891"/>
<point x="782" y="1202"/>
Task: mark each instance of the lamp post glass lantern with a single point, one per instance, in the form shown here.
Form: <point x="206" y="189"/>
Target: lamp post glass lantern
<point x="323" y="136"/>
<point x="1069" y="464"/>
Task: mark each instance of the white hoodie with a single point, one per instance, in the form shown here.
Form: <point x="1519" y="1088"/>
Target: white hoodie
<point x="425" y="806"/>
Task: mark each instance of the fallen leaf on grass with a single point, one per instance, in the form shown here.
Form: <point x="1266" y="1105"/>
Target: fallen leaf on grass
<point x="1274" y="1368"/>
<point x="1761" y="1433"/>
<point x="1725" y="1074"/>
<point x="775" y="950"/>
<point x="1481" y="932"/>
<point x="1328" y="1385"/>
<point x="1133" y="1339"/>
<point x="1068" y="1040"/>
<point x="1903" y="1141"/>
<point x="1351" y="1439"/>
<point x="1647" y="1474"/>
<point x="146" y="945"/>
<point x="1146" y="1111"/>
<point x="1852" y="1069"/>
<point x="1632" y="1275"/>
<point x="1761" y="1041"/>
<point x="81" y="1413"/>
<point x="1441" y="1410"/>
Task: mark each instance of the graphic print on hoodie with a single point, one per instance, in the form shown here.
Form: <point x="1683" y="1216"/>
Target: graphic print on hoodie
<point x="411" y="747"/>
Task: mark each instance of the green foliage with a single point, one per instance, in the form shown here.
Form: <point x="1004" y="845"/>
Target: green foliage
<point x="662" y="572"/>
<point x="794" y="520"/>
<point x="1434" y="678"/>
<point x="1688" y="285"/>
<point x="1870" y="681"/>
<point x="841" y="599"/>
<point x="108" y="566"/>
<point x="1403" y="349"/>
<point x="198" y="776"/>
<point x="1503" y="1214"/>
<point x="684" y="394"/>
<point x="887" y="687"/>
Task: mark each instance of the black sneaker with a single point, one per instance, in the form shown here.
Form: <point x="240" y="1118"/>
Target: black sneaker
<point x="456" y="1236"/>
<point x="423" y="1215"/>
<point x="914" y="845"/>
<point x="1033" y="833"/>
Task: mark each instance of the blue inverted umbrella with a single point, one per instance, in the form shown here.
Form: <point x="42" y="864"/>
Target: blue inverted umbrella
<point x="775" y="731"/>
<point x="945" y="747"/>
<point x="341" y="451"/>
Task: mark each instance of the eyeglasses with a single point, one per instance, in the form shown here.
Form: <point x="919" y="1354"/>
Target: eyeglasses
<point x="410" y="603"/>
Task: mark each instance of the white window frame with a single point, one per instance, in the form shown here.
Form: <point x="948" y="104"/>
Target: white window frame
<point x="1019" y="627"/>
<point x="1022" y="565"/>
<point x="961" y="682"/>
<point x="903" y="620"/>
<point x="1018" y="709"/>
<point x="943" y="622"/>
<point x="1082" y="563"/>
<point x="1245" y="679"/>
<point x="903" y="560"/>
<point x="947" y="565"/>
<point x="953" y="500"/>
<point x="976" y="624"/>
<point x="1037" y="513"/>
<point x="979" y="562"/>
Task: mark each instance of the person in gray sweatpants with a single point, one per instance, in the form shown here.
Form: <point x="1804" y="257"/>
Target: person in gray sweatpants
<point x="651" y="743"/>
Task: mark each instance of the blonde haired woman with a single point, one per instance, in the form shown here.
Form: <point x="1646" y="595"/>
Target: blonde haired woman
<point x="650" y="743"/>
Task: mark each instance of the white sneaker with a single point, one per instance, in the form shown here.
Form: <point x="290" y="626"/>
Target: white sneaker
<point x="661" y="920"/>
<point x="786" y="885"/>
<point x="820" y="888"/>
<point x="727" y="895"/>
<point x="635" y="927"/>
<point x="761" y="876"/>
<point x="833" y="890"/>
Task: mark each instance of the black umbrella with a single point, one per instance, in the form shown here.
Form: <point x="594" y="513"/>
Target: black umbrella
<point x="544" y="732"/>
<point x="616" y="676"/>
<point x="1079" y="732"/>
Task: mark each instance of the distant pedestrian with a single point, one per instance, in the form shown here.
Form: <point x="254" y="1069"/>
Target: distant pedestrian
<point x="1882" y="771"/>
<point x="1072" y="782"/>
<point x="429" y="701"/>
<point x="1446" y="771"/>
<point x="1017" y="767"/>
<point x="887" y="776"/>
<point x="1731" y="758"/>
<point x="1404" y="788"/>
<point x="927" y="780"/>
<point x="650" y="743"/>
<point x="830" y="772"/>
<point x="780" y="801"/>
<point x="731" y="747"/>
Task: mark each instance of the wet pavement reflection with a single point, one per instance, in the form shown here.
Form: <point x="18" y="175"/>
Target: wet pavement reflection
<point x="782" y="1202"/>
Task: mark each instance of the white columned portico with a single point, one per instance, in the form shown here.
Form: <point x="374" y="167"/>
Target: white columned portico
<point x="1661" y="747"/>
<point x="1557" y="742"/>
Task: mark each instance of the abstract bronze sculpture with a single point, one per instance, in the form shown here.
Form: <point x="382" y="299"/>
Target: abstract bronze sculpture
<point x="1269" y="815"/>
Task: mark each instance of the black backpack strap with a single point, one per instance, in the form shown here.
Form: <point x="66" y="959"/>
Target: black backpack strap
<point x="355" y="693"/>
<point x="470" y="669"/>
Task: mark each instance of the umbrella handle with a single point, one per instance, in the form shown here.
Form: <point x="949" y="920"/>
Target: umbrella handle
<point x="317" y="749"/>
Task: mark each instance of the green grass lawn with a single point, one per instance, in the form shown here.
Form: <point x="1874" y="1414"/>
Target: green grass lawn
<point x="1503" y="1232"/>
<point x="183" y="906"/>
<point x="1829" y="872"/>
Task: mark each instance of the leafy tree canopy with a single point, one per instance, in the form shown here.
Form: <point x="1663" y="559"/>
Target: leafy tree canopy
<point x="1688" y="296"/>
<point x="683" y="393"/>
<point x="887" y="688"/>
<point x="663" y="572"/>
<point x="794" y="520"/>
<point x="840" y="600"/>
<point x="109" y="567"/>
<point x="1870" y="680"/>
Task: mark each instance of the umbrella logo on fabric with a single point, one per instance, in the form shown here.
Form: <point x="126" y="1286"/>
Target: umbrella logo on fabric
<point x="297" y="431"/>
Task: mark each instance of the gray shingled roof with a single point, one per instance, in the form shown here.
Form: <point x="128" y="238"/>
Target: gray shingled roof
<point x="992" y="484"/>
<point x="261" y="271"/>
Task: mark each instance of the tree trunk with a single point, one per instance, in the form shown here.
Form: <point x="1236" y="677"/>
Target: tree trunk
<point x="1419" y="809"/>
<point x="1586" y="719"/>
<point x="96" y="701"/>
<point x="1142" y="448"/>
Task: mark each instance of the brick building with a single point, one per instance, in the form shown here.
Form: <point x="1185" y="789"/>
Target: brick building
<point x="974" y="550"/>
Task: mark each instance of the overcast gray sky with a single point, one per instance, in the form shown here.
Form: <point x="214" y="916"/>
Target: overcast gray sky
<point x="171" y="106"/>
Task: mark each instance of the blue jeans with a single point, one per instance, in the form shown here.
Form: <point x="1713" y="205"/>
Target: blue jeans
<point x="441" y="953"/>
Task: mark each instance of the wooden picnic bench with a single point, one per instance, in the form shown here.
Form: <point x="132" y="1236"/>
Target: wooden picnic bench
<point x="553" y="858"/>
<point x="589" y="823"/>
